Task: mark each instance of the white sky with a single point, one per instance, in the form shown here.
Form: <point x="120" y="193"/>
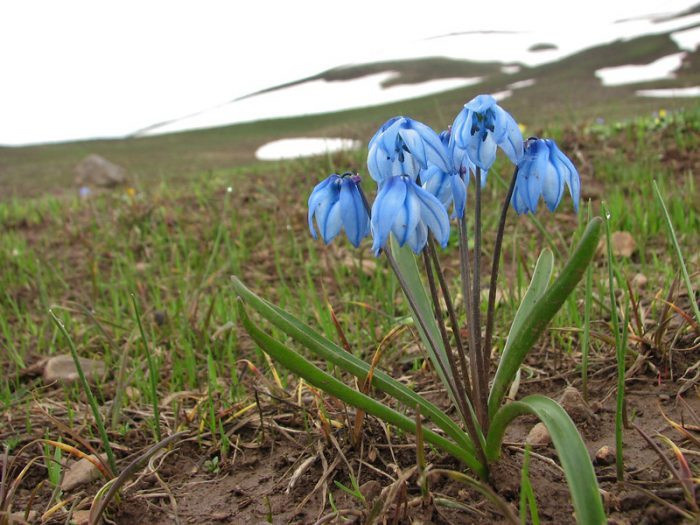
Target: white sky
<point x="80" y="69"/>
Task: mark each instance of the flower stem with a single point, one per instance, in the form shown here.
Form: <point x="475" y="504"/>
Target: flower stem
<point x="474" y="361"/>
<point x="495" y="265"/>
<point x="461" y="397"/>
<point x="451" y="313"/>
<point x="413" y="304"/>
<point x="481" y="352"/>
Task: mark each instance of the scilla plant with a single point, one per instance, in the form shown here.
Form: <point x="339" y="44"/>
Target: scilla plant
<point x="420" y="177"/>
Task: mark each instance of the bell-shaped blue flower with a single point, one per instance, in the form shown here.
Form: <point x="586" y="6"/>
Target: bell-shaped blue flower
<point x="409" y="212"/>
<point x="337" y="203"/>
<point x="481" y="127"/>
<point x="544" y="171"/>
<point x="448" y="187"/>
<point x="403" y="146"/>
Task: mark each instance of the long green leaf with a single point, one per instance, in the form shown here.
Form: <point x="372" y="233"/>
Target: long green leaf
<point x="538" y="286"/>
<point x="326" y="349"/>
<point x="409" y="269"/>
<point x="535" y="322"/>
<point x="572" y="452"/>
<point x="329" y="384"/>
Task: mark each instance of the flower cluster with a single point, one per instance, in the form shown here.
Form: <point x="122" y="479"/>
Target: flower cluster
<point x="421" y="174"/>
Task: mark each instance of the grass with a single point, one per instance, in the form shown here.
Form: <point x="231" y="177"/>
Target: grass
<point x="171" y="247"/>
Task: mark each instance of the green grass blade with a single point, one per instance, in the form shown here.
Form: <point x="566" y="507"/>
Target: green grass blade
<point x="88" y="393"/>
<point x="409" y="268"/>
<point x="326" y="349"/>
<point x="571" y="449"/>
<point x="329" y="384"/>
<point x="679" y="254"/>
<point x="586" y="338"/>
<point x="535" y="322"/>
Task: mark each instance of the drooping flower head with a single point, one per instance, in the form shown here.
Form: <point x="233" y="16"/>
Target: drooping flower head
<point x="481" y="127"/>
<point x="408" y="211"/>
<point x="450" y="187"/>
<point x="337" y="203"/>
<point x="403" y="146"/>
<point x="543" y="171"/>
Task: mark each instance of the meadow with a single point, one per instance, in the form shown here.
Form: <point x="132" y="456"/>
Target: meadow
<point x="140" y="279"/>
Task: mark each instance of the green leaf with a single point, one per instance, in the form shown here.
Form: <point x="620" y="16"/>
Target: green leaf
<point x="533" y="324"/>
<point x="300" y="366"/>
<point x="538" y="286"/>
<point x="409" y="269"/>
<point x="572" y="452"/>
<point x="326" y="349"/>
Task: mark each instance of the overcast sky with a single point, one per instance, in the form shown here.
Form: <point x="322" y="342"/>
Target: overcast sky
<point x="80" y="69"/>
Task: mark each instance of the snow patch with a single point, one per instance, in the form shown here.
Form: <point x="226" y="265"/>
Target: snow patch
<point x="670" y="93"/>
<point x="303" y="147"/>
<point x="660" y="69"/>
<point x="520" y="84"/>
<point x="687" y="40"/>
<point x="311" y="98"/>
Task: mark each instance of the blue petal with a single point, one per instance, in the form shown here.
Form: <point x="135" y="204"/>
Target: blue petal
<point x="434" y="215"/>
<point x="414" y="143"/>
<point x="435" y="150"/>
<point x="512" y="141"/>
<point x="389" y="201"/>
<point x="552" y="187"/>
<point x="461" y="128"/>
<point x="330" y="228"/>
<point x="382" y="129"/>
<point x="482" y="150"/>
<point x="353" y="213"/>
<point x="518" y="201"/>
<point x="418" y="237"/>
<point x="410" y="213"/>
<point x="567" y="170"/>
<point x="500" y="123"/>
<point x="388" y="138"/>
<point x="437" y="182"/>
<point x="323" y="196"/>
<point x="480" y="103"/>
<point x="379" y="163"/>
<point x="459" y="195"/>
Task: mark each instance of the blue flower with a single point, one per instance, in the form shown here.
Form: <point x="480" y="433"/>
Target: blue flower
<point x="448" y="187"/>
<point x="337" y="203"/>
<point x="481" y="127"/>
<point x="544" y="171"/>
<point x="403" y="146"/>
<point x="408" y="211"/>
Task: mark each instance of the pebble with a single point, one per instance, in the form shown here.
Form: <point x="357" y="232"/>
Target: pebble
<point x="61" y="368"/>
<point x="538" y="436"/>
<point x="79" y="473"/>
<point x="605" y="456"/>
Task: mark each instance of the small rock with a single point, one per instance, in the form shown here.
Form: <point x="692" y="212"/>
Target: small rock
<point x="664" y="398"/>
<point x="538" y="436"/>
<point x="623" y="244"/>
<point x="61" y="368"/>
<point x="81" y="517"/>
<point x="572" y="401"/>
<point x="639" y="281"/>
<point x="371" y="490"/>
<point x="605" y="456"/>
<point x="95" y="170"/>
<point x="81" y="472"/>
